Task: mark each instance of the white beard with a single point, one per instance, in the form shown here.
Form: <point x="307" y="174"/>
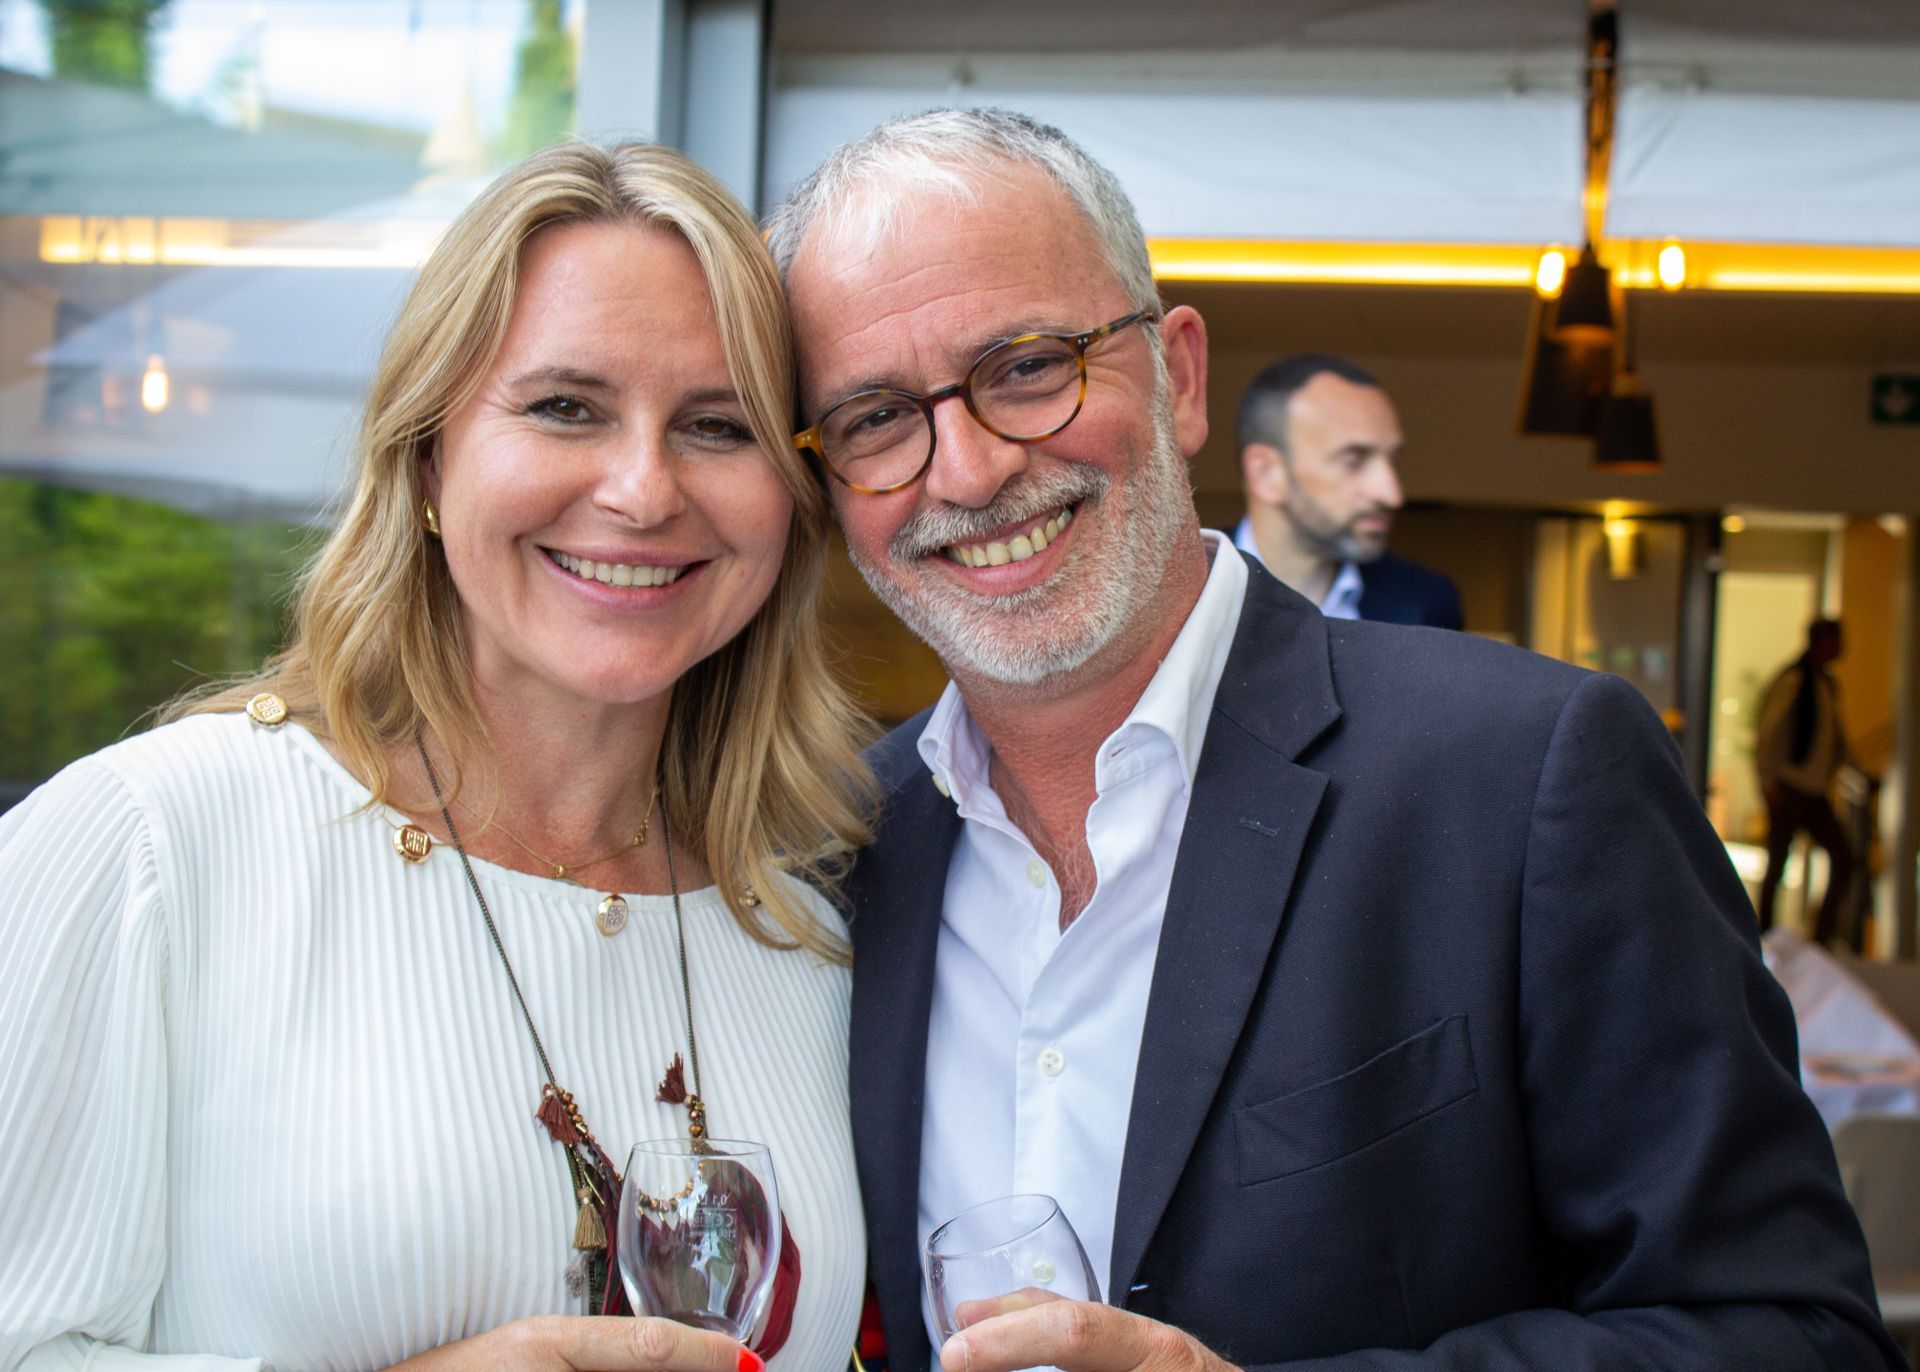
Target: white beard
<point x="1107" y="584"/>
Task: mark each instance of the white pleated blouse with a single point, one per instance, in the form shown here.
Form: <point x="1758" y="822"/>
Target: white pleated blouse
<point x="265" y="1098"/>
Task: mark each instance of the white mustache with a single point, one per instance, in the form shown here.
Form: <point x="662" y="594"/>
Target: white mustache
<point x="1038" y="495"/>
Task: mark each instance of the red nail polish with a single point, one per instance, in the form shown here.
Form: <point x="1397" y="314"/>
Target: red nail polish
<point x="750" y="1361"/>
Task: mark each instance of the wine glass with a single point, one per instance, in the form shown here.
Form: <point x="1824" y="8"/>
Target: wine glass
<point x="698" y="1235"/>
<point x="1001" y="1246"/>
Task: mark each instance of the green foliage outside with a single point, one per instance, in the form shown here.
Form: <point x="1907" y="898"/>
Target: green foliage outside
<point x="105" y="42"/>
<point x="540" y="110"/>
<point x="110" y="606"/>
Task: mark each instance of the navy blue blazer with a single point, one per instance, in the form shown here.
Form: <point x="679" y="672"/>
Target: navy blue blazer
<point x="1459" y="1053"/>
<point x="1396" y="591"/>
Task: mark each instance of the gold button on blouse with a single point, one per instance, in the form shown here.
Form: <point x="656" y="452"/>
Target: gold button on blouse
<point x="268" y="709"/>
<point x="412" y="842"/>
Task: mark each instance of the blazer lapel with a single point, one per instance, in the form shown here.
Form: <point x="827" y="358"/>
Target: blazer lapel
<point x="1248" y="821"/>
<point x="898" y="886"/>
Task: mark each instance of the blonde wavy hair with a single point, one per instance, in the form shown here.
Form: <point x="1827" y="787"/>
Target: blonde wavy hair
<point x="760" y="768"/>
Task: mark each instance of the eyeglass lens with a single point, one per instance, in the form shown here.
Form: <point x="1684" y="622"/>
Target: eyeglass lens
<point x="1023" y="389"/>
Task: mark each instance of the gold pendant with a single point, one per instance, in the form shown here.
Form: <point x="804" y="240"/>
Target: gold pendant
<point x="412" y="842"/>
<point x="611" y="917"/>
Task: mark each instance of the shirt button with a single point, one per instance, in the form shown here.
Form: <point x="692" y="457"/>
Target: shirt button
<point x="1037" y="872"/>
<point x="1053" y="1062"/>
<point x="940" y="785"/>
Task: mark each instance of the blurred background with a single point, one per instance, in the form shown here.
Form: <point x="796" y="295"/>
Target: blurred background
<point x="209" y="210"/>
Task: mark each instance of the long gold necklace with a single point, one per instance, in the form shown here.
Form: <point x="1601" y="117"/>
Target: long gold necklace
<point x="595" y="1181"/>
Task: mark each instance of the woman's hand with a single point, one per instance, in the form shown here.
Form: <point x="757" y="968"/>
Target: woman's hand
<point x="589" y="1343"/>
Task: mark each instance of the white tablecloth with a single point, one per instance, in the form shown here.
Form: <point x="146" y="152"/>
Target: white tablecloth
<point x="1854" y="1055"/>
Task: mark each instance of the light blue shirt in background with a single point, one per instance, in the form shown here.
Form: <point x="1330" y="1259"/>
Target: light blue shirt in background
<point x="1342" y="600"/>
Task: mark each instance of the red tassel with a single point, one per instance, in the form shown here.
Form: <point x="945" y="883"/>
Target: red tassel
<point x="558" y="1119"/>
<point x="673" y="1089"/>
<point x="873" y="1332"/>
<point x="614" y="1300"/>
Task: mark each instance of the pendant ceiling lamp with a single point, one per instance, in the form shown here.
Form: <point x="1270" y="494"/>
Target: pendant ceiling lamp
<point x="1568" y="372"/>
<point x="1562" y="385"/>
<point x="1625" y="437"/>
<point x="1584" y="311"/>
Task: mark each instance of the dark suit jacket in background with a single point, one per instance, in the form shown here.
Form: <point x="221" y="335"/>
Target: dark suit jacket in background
<point x="1396" y="591"/>
<point x="1459" y="1052"/>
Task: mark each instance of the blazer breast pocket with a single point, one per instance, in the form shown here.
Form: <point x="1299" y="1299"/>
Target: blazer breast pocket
<point x="1322" y="1123"/>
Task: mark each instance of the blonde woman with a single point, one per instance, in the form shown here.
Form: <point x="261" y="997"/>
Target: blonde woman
<point x="323" y="1004"/>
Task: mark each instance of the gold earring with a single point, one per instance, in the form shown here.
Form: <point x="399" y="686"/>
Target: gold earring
<point x="431" y="518"/>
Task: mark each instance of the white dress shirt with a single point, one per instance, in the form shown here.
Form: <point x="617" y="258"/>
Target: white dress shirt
<point x="1035" y="1033"/>
<point x="1342" y="600"/>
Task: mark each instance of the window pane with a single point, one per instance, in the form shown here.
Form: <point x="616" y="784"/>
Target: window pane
<point x="209" y="210"/>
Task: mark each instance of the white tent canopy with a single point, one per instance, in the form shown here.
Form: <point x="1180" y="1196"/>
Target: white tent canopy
<point x="1438" y="120"/>
<point x="1773" y="121"/>
<point x="1406" y="120"/>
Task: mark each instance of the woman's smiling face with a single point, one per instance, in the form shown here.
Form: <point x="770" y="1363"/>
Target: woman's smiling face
<point x="608" y="519"/>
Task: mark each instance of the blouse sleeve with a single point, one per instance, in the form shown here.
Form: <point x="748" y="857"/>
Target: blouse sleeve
<point x="83" y="1081"/>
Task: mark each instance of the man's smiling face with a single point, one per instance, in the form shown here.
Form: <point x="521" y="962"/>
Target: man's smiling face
<point x="1018" y="562"/>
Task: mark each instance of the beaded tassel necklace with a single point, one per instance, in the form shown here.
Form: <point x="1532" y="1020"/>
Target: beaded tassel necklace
<point x="595" y="1181"/>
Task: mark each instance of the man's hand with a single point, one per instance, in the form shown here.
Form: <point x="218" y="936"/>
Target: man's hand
<point x="1032" y="1328"/>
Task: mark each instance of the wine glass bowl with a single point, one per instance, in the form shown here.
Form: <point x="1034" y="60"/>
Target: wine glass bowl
<point x="698" y="1234"/>
<point x="997" y="1248"/>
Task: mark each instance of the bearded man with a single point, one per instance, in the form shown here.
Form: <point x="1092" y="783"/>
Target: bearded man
<point x="1319" y="454"/>
<point x="1369" y="997"/>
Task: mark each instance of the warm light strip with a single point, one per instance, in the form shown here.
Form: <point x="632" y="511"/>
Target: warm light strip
<point x="1774" y="267"/>
<point x="1709" y="266"/>
<point x="1811" y="282"/>
<point x="1385" y="264"/>
<point x="109" y="240"/>
<point x="135" y="240"/>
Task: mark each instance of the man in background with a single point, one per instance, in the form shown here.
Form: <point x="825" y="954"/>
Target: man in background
<point x="1799" y="747"/>
<point x="1318" y="443"/>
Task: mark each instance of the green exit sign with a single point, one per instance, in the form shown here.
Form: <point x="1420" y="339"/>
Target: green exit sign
<point x="1896" y="398"/>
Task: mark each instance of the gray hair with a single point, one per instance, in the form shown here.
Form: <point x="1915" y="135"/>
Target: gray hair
<point x="948" y="151"/>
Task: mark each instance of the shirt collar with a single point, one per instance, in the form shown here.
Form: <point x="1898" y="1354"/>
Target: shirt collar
<point x="1177" y="703"/>
<point x="1243" y="540"/>
<point x="1342" y="600"/>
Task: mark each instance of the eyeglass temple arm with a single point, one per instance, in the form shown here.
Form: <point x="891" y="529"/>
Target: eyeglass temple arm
<point x="1093" y="336"/>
